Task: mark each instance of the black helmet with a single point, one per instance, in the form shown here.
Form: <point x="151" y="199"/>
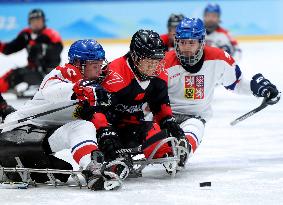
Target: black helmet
<point x="36" y="13"/>
<point x="145" y="44"/>
<point x="174" y="20"/>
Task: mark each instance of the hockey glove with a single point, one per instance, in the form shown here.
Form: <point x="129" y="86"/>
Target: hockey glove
<point x="173" y="128"/>
<point x="108" y="142"/>
<point x="91" y="92"/>
<point x="262" y="87"/>
<point x="84" y="92"/>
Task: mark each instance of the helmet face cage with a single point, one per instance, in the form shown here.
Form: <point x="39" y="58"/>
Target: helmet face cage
<point x="84" y="51"/>
<point x="101" y="67"/>
<point x="190" y="60"/>
<point x="191" y="29"/>
<point x="147" y="53"/>
<point x="148" y="67"/>
<point x="104" y="71"/>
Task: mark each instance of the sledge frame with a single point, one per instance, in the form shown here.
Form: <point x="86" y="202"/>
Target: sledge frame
<point x="140" y="163"/>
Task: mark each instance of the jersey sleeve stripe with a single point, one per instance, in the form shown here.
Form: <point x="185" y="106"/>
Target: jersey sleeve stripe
<point x="82" y="143"/>
<point x="238" y="74"/>
<point x="53" y="78"/>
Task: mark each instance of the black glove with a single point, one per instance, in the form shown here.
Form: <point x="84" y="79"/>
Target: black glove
<point x="172" y="127"/>
<point x="261" y="87"/>
<point x="103" y="97"/>
<point x="108" y="142"/>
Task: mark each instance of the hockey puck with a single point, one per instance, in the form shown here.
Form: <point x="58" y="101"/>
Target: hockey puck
<point x="204" y="184"/>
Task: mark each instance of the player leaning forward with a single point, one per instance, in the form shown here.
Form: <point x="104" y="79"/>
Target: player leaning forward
<point x="73" y="128"/>
<point x="135" y="79"/>
<point x="193" y="71"/>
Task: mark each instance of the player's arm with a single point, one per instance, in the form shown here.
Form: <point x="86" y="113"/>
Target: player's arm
<point x="46" y="50"/>
<point x="55" y="88"/>
<point x="45" y="55"/>
<point x="237" y="55"/>
<point x="59" y="83"/>
<point x="159" y="105"/>
<point x="19" y="43"/>
<point x="237" y="51"/>
<point x="232" y="79"/>
<point x="94" y="98"/>
<point x="52" y="54"/>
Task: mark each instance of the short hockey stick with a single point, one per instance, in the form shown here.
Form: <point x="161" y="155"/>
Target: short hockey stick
<point x="2" y="126"/>
<point x="263" y="105"/>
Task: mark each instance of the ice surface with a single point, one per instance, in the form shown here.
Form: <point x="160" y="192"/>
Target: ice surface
<point x="244" y="163"/>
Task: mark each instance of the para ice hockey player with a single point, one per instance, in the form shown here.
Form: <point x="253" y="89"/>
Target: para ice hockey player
<point x="217" y="36"/>
<point x="193" y="71"/>
<point x="43" y="45"/>
<point x="75" y="128"/>
<point x="134" y="79"/>
<point x="168" y="39"/>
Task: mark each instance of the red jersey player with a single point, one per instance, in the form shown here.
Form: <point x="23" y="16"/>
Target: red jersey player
<point x="168" y="39"/>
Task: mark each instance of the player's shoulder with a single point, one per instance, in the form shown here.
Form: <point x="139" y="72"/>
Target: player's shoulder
<point x="68" y="72"/>
<point x="227" y="34"/>
<point x="26" y="30"/>
<point x="222" y="30"/>
<point x="52" y="34"/>
<point x="213" y="53"/>
<point x="164" y="38"/>
<point x="171" y="59"/>
<point x="119" y="75"/>
<point x="119" y="65"/>
<point x="163" y="75"/>
<point x="118" y="61"/>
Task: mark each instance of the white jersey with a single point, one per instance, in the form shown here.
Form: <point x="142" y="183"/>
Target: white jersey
<point x="220" y="38"/>
<point x="192" y="93"/>
<point x="55" y="91"/>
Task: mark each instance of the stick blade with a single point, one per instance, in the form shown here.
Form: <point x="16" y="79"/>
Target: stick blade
<point x="234" y="122"/>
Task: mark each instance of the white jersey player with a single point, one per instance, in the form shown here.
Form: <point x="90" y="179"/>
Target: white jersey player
<point x="193" y="71"/>
<point x="217" y="36"/>
<point x="78" y="124"/>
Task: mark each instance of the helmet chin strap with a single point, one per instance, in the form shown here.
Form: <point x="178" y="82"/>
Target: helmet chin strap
<point x="82" y="67"/>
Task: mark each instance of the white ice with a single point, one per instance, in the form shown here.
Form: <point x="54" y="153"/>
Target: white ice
<point x="244" y="163"/>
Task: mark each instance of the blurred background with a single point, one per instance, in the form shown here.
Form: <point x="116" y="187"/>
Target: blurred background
<point x="115" y="21"/>
<point x="243" y="162"/>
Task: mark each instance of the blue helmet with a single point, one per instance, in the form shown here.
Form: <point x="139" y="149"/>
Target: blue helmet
<point x="190" y="28"/>
<point x="85" y="50"/>
<point x="193" y="29"/>
<point x="212" y="8"/>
